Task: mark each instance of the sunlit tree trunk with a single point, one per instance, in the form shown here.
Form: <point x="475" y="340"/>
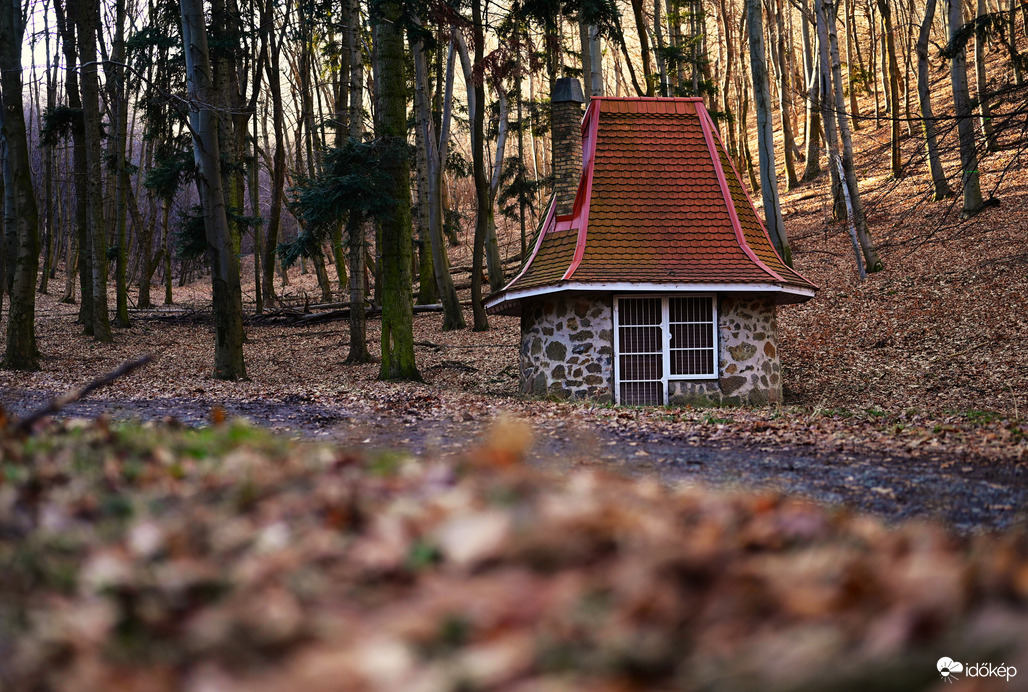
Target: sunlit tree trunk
<point x="982" y="83"/>
<point x="827" y="102"/>
<point x="939" y="184"/>
<point x="851" y="31"/>
<point x="965" y="124"/>
<point x="852" y="192"/>
<point x="784" y="95"/>
<point x="812" y="129"/>
<point x="765" y="134"/>
<point x="644" y="46"/>
<point x="893" y="80"/>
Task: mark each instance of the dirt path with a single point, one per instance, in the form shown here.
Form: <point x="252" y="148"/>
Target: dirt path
<point x="969" y="496"/>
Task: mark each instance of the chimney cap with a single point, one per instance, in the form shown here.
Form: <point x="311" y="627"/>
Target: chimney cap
<point x="567" y="89"/>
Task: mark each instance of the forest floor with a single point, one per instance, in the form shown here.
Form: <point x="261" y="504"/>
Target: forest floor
<point x="905" y="394"/>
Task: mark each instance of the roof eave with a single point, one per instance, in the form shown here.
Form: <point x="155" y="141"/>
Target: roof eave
<point x="508" y="301"/>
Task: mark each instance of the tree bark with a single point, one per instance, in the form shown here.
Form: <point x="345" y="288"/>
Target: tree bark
<point x="397" y="302"/>
<point x="355" y="238"/>
<point x="495" y="264"/>
<point x="784" y="95"/>
<point x="812" y="129"/>
<point x="278" y="172"/>
<point x="644" y="47"/>
<point x="939" y="184"/>
<point x="19" y="196"/>
<point x="982" y="83"/>
<point x="119" y="107"/>
<point x="481" y="321"/>
<point x="890" y="45"/>
<point x="965" y="123"/>
<point x="851" y="192"/>
<point x="765" y="133"/>
<point x="88" y="22"/>
<point x="221" y="252"/>
<point x="827" y="119"/>
<point x="435" y="157"/>
<point x="851" y="32"/>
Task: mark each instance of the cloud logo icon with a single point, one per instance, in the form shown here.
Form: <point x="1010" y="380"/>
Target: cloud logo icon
<point x="947" y="668"/>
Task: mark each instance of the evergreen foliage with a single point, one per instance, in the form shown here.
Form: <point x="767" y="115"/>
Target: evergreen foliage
<point x="352" y="184"/>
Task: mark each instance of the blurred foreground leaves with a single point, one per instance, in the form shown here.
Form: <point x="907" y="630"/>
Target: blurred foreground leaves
<point x="153" y="558"/>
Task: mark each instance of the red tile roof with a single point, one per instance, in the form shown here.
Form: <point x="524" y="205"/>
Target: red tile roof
<point x="659" y="202"/>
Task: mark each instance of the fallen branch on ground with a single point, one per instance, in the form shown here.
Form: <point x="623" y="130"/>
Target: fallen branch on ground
<point x="24" y="426"/>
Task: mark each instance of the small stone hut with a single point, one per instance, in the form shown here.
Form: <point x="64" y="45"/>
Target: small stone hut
<point x="652" y="279"/>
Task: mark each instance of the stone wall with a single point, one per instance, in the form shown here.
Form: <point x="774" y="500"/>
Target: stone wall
<point x="567" y="352"/>
<point x="567" y="347"/>
<point x="748" y="365"/>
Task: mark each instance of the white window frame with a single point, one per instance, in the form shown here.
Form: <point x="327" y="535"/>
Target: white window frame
<point x="665" y="328"/>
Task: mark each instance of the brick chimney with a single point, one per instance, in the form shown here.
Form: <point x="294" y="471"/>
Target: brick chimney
<point x="566" y="118"/>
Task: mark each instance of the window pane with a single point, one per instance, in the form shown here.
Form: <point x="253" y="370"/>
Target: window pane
<point x="691" y="309"/>
<point x="692" y="336"/>
<point x="642" y="393"/>
<point x="692" y="362"/>
<point x="639" y="340"/>
<point x="639" y="311"/>
<point x="641" y="367"/>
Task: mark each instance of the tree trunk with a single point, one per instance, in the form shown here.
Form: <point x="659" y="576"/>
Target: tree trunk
<point x="19" y="196"/>
<point x="481" y="321"/>
<point x="765" y="133"/>
<point x="119" y="105"/>
<point x="355" y="237"/>
<point x="851" y="31"/>
<point x="49" y="263"/>
<point x="227" y="294"/>
<point x="965" y="125"/>
<point x="644" y="47"/>
<point x="826" y="101"/>
<point x="939" y="184"/>
<point x="982" y="83"/>
<point x="890" y="44"/>
<point x="88" y="22"/>
<point x="496" y="277"/>
<point x="812" y="126"/>
<point x="397" y="303"/>
<point x="278" y="172"/>
<point x="784" y="96"/>
<point x="1010" y="41"/>
<point x="658" y="38"/>
<point x="851" y="192"/>
<point x="435" y="156"/>
<point x="169" y="298"/>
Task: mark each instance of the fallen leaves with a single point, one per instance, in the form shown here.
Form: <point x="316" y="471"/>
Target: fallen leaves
<point x="143" y="558"/>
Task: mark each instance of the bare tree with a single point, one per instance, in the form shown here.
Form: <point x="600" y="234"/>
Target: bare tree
<point x="21" y="214"/>
<point x="203" y="121"/>
<point x="940" y="186"/>
<point x="765" y="134"/>
<point x="962" y="107"/>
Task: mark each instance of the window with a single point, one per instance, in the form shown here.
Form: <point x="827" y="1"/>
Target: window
<point x="662" y="339"/>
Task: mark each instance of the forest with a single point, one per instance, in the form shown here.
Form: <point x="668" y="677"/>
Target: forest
<point x="259" y="430"/>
